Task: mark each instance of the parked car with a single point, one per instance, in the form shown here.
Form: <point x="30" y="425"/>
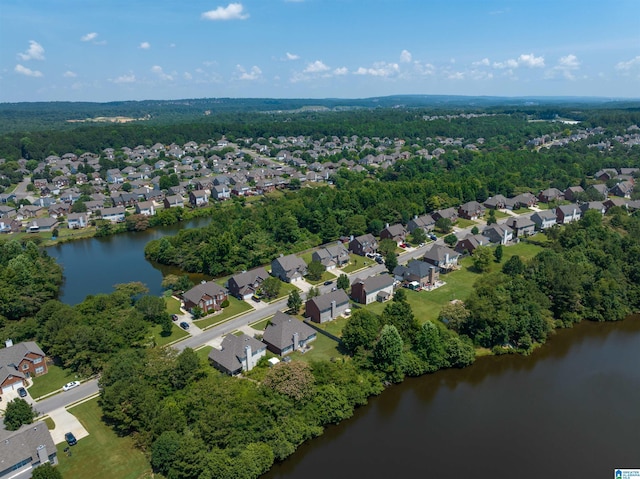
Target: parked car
<point x="184" y="325"/>
<point x="70" y="438"/>
<point x="432" y="237"/>
<point x="22" y="392"/>
<point x="174" y="317"/>
<point x="71" y="385"/>
<point x="379" y="260"/>
<point x="327" y="283"/>
<point x="255" y="298"/>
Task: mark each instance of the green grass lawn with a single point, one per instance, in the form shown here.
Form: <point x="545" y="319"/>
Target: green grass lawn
<point x="262" y="324"/>
<point x="235" y="307"/>
<point x="334" y="327"/>
<point x="176" y="333"/>
<point x="326" y="276"/>
<point x="306" y="257"/>
<point x="203" y="354"/>
<point x="465" y="223"/>
<point x="285" y="289"/>
<point x="173" y="305"/>
<point x="102" y="454"/>
<point x="355" y="263"/>
<point x="323" y="349"/>
<point x="520" y="211"/>
<point x="55" y="378"/>
<point x="500" y="214"/>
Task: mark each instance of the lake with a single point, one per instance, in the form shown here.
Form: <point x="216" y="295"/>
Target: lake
<point x="571" y="410"/>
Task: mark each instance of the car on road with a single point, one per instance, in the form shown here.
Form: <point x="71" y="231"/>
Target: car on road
<point x="22" y="392"/>
<point x="433" y="237"/>
<point x="71" y="385"/>
<point x="70" y="438"/>
<point x="327" y="283"/>
<point x="379" y="260"/>
<point x="184" y="325"/>
<point x="174" y="317"/>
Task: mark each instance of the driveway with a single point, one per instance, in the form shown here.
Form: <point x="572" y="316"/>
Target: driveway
<point x="65" y="422"/>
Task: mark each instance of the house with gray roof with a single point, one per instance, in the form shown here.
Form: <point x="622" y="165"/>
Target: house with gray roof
<point x="363" y="245"/>
<point x="469" y="244"/>
<point x="335" y="255"/>
<point x="246" y="284"/>
<point x="289" y="268"/>
<point x="42" y="224"/>
<point x="471" y="210"/>
<point x="567" y="213"/>
<point x="496" y="202"/>
<point x="25" y="449"/>
<point x="237" y="354"/>
<point x="115" y="214"/>
<point x="426" y="222"/>
<point x="521" y="226"/>
<point x="550" y="194"/>
<point x="601" y="191"/>
<point x="544" y="219"/>
<point x="19" y="362"/>
<point x="423" y="273"/>
<point x="207" y="296"/>
<point x="327" y="307"/>
<point x="373" y="288"/>
<point x="500" y="234"/>
<point x="593" y="205"/>
<point x="396" y="232"/>
<point x="623" y="189"/>
<point x="442" y="256"/>
<point x="572" y="192"/>
<point x="285" y="334"/>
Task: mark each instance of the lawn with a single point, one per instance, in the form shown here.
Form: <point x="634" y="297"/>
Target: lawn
<point x="322" y="349"/>
<point x="203" y="354"/>
<point x="326" y="276"/>
<point x="465" y="223"/>
<point x="355" y="263"/>
<point x="173" y="305"/>
<point x="501" y="214"/>
<point x="176" y="334"/>
<point x="102" y="454"/>
<point x="334" y="327"/>
<point x="235" y="307"/>
<point x="262" y="324"/>
<point x="55" y="378"/>
<point x="285" y="289"/>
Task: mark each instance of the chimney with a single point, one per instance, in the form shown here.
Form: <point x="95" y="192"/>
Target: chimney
<point x="387" y="225"/>
<point x="42" y="454"/>
<point x="8" y="343"/>
<point x="333" y="309"/>
<point x="249" y="362"/>
<point x="295" y="340"/>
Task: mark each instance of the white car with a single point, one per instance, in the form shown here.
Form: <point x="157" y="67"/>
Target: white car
<point x="71" y="385"/>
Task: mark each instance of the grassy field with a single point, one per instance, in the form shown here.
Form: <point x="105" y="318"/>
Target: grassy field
<point x="326" y="276"/>
<point x="203" y="354"/>
<point x="176" y="333"/>
<point x="55" y="378"/>
<point x="102" y="454"/>
<point x="465" y="223"/>
<point x="262" y="324"/>
<point x="500" y="214"/>
<point x="334" y="327"/>
<point x="355" y="263"/>
<point x="235" y="307"/>
<point x="323" y="349"/>
<point x="173" y="305"/>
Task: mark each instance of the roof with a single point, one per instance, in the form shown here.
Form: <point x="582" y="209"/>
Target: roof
<point x="233" y="351"/>
<point x="209" y="288"/>
<point x="16" y="446"/>
<point x="544" y="215"/>
<point x="396" y="230"/>
<point x="291" y="263"/>
<point x="324" y="301"/>
<point x="249" y="277"/>
<point x="439" y="252"/>
<point x="281" y="329"/>
<point x="375" y="283"/>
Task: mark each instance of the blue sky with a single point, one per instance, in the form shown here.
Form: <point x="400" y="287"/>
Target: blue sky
<point x="107" y="50"/>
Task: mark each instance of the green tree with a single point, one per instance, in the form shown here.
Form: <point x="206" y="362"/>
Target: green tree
<point x="360" y="331"/>
<point x="444" y="225"/>
<point x="454" y="315"/>
<point x="514" y="266"/>
<point x="491" y="217"/>
<point x="475" y="230"/>
<point x="153" y="309"/>
<point x="78" y="207"/>
<point x="18" y="412"/>
<point x="315" y="270"/>
<point x="418" y="236"/>
<point x="400" y="295"/>
<point x="271" y="287"/>
<point x="163" y="451"/>
<point x="46" y="471"/>
<point x="387" y="353"/>
<point x="429" y="346"/>
<point x="313" y="292"/>
<point x="391" y="261"/>
<point x="482" y="259"/>
<point x="126" y="187"/>
<point x="294" y="303"/>
<point x="451" y="240"/>
<point x="400" y="315"/>
<point x="386" y="247"/>
<point x="343" y="282"/>
<point x="498" y="253"/>
<point x="292" y="379"/>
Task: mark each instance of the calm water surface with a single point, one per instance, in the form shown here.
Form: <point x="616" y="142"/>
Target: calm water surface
<point x="571" y="410"/>
<point x="94" y="265"/>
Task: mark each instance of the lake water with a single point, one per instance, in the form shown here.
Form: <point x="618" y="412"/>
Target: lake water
<point x="95" y="265"/>
<point x="571" y="410"/>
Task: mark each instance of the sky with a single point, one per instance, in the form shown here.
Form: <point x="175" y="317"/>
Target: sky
<point x="113" y="50"/>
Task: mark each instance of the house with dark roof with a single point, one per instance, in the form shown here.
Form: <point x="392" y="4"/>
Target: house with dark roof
<point x="246" y="284"/>
<point x="423" y="273"/>
<point x="448" y="213"/>
<point x="25" y="449"/>
<point x="524" y="200"/>
<point x="567" y="213"/>
<point x="285" y="334"/>
<point x="471" y="210"/>
<point x="544" y="219"/>
<point x="593" y="205"/>
<point x="496" y="202"/>
<point x="500" y="234"/>
<point x="19" y="362"/>
<point x="373" y="288"/>
<point x="335" y="255"/>
<point x="207" y="296"/>
<point x="469" y="244"/>
<point x="173" y="201"/>
<point x="601" y="191"/>
<point x="572" y="193"/>
<point x="327" y="307"/>
<point x="550" y="194"/>
<point x="199" y="197"/>
<point x="521" y="226"/>
<point x="42" y="224"/>
<point x="363" y="245"/>
<point x="622" y="189"/>
<point x="396" y="232"/>
<point x="442" y="256"/>
<point x="237" y="354"/>
<point x="289" y="268"/>
<point x="425" y="222"/>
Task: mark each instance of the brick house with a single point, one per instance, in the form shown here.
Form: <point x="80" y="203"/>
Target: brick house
<point x="19" y="362"/>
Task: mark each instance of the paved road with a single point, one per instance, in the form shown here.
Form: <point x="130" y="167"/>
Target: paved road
<point x="65" y="398"/>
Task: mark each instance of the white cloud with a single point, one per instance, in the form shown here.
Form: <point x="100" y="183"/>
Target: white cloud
<point x="89" y="37"/>
<point x="341" y="71"/>
<point x="526" y="59"/>
<point x="158" y="71"/>
<point x="233" y="11"/>
<point x="22" y="70"/>
<point x="455" y="76"/>
<point x="405" y="56"/>
<point x="316" y="67"/>
<point x="626" y="66"/>
<point x="34" y="52"/>
<point x="292" y="56"/>
<point x="145" y="45"/>
<point x="187" y="76"/>
<point x="566" y="67"/>
<point x="379" y="69"/>
<point x="482" y="63"/>
<point x="130" y="78"/>
<point x="70" y="74"/>
<point x="254" y="74"/>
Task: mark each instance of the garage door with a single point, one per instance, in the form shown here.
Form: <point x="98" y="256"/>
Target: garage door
<point x="11" y="387"/>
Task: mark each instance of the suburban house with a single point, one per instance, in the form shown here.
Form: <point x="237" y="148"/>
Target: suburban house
<point x="417" y="271"/>
<point x="606" y="174"/>
<point x="550" y="194"/>
<point x="593" y="205"/>
<point x="448" y="213"/>
<point x="42" y="224"/>
<point x="207" y="296"/>
<point x="521" y="226"/>
<point x="500" y="234"/>
<point x="18" y="362"/>
<point x="613" y="201"/>
<point x="221" y="192"/>
<point x="146" y="208"/>
<point x="289" y="268"/>
<point x="471" y="210"/>
<point x="442" y="256"/>
<point x="25" y="449"/>
<point x="395" y="232"/>
<point x="622" y="189"/>
<point x="237" y="354"/>
<point x="361" y="245"/>
<point x="544" y="219"/>
<point x="497" y="202"/>
<point x="77" y="221"/>
<point x="327" y="307"/>
<point x="470" y="243"/>
<point x="572" y="193"/>
<point x="246" y="284"/>
<point x="373" y="288"/>
<point x="199" y="198"/>
<point x="331" y="256"/>
<point x="286" y="334"/>
<point x="601" y="190"/>
<point x="426" y="222"/>
<point x="115" y="214"/>
<point x="173" y="201"/>
<point x="524" y="200"/>
<point x="567" y="213"/>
